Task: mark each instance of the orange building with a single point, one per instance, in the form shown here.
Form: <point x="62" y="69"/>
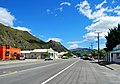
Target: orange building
<point x="7" y="53"/>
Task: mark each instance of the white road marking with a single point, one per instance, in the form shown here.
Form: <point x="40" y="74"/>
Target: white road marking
<point x="29" y="69"/>
<point x="59" y="73"/>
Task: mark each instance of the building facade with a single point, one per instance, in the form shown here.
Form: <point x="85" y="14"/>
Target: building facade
<point x="7" y="52"/>
<point x="115" y="56"/>
<point x="39" y="53"/>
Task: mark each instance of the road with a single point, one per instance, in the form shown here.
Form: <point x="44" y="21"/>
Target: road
<point x="69" y="71"/>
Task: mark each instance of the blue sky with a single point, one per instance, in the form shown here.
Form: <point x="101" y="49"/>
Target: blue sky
<point x="74" y="23"/>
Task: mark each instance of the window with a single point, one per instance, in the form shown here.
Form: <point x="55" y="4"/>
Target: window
<point x="15" y="54"/>
<point x="118" y="55"/>
<point x="7" y="53"/>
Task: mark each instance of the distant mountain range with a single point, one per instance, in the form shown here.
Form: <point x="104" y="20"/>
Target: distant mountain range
<point x="26" y="41"/>
<point x="82" y="51"/>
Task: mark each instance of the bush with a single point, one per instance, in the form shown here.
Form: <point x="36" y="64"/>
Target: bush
<point x="46" y="54"/>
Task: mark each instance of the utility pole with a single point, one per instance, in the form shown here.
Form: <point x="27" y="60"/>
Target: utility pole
<point x="98" y="47"/>
<point x="91" y="45"/>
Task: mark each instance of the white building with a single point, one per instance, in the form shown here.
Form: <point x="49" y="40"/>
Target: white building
<point x="39" y="53"/>
<point x="26" y="53"/>
<point x="115" y="56"/>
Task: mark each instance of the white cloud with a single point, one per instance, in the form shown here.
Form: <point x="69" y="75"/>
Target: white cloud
<point x="117" y="10"/>
<point x="113" y="1"/>
<point x="55" y="39"/>
<point x="104" y="23"/>
<point x="65" y="3"/>
<point x="84" y="8"/>
<point x="48" y="11"/>
<point x="73" y="46"/>
<point x="101" y="4"/>
<point x="96" y="15"/>
<point x="22" y="28"/>
<point x="41" y="36"/>
<point x="102" y="18"/>
<point x="5" y="17"/>
<point x="56" y="15"/>
<point x="60" y="9"/>
<point x="91" y="36"/>
<point x="8" y="19"/>
<point x="76" y="42"/>
<point x="102" y="46"/>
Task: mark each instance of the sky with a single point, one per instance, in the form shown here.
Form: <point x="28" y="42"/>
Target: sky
<point x="74" y="23"/>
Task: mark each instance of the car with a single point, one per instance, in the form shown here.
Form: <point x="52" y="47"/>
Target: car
<point x="85" y="58"/>
<point x="64" y="57"/>
<point x="74" y="56"/>
<point x="48" y="58"/>
<point x="21" y="57"/>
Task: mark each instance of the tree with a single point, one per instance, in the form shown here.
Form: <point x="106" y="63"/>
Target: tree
<point x="46" y="54"/>
<point x="95" y="53"/>
<point x="101" y="53"/>
<point x="78" y="54"/>
<point x="113" y="38"/>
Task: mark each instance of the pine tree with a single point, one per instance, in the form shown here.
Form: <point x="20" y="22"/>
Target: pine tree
<point x="113" y="38"/>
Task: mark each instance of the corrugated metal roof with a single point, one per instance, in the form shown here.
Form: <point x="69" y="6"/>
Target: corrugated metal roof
<point x="40" y="50"/>
<point x="117" y="51"/>
<point x="25" y="51"/>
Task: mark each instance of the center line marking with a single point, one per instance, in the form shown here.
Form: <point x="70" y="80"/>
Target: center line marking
<point x="59" y="73"/>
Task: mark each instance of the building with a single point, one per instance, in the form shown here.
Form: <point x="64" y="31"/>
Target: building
<point x="114" y="56"/>
<point x="39" y="53"/>
<point x="26" y="54"/>
<point x="7" y="52"/>
<point x="61" y="54"/>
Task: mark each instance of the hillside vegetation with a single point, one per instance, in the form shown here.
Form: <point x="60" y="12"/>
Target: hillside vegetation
<point x="24" y="40"/>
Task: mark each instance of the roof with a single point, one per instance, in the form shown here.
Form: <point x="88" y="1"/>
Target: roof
<point x="117" y="51"/>
<point x="40" y="50"/>
<point x="25" y="51"/>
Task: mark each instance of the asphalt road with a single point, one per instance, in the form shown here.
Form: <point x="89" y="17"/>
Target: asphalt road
<point x="71" y="71"/>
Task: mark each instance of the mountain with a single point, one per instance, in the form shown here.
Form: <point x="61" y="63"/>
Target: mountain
<point x="56" y="46"/>
<point x="82" y="51"/>
<point x="25" y="41"/>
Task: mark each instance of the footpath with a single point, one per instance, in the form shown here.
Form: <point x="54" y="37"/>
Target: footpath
<point x="19" y="61"/>
<point x="112" y="66"/>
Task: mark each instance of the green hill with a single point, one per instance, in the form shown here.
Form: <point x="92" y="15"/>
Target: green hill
<point x="82" y="51"/>
<point x="24" y="40"/>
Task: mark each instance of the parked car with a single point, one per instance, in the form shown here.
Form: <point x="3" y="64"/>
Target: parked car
<point x="48" y="58"/>
<point x="22" y="57"/>
<point x="85" y="58"/>
<point x="64" y="57"/>
<point x="74" y="56"/>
